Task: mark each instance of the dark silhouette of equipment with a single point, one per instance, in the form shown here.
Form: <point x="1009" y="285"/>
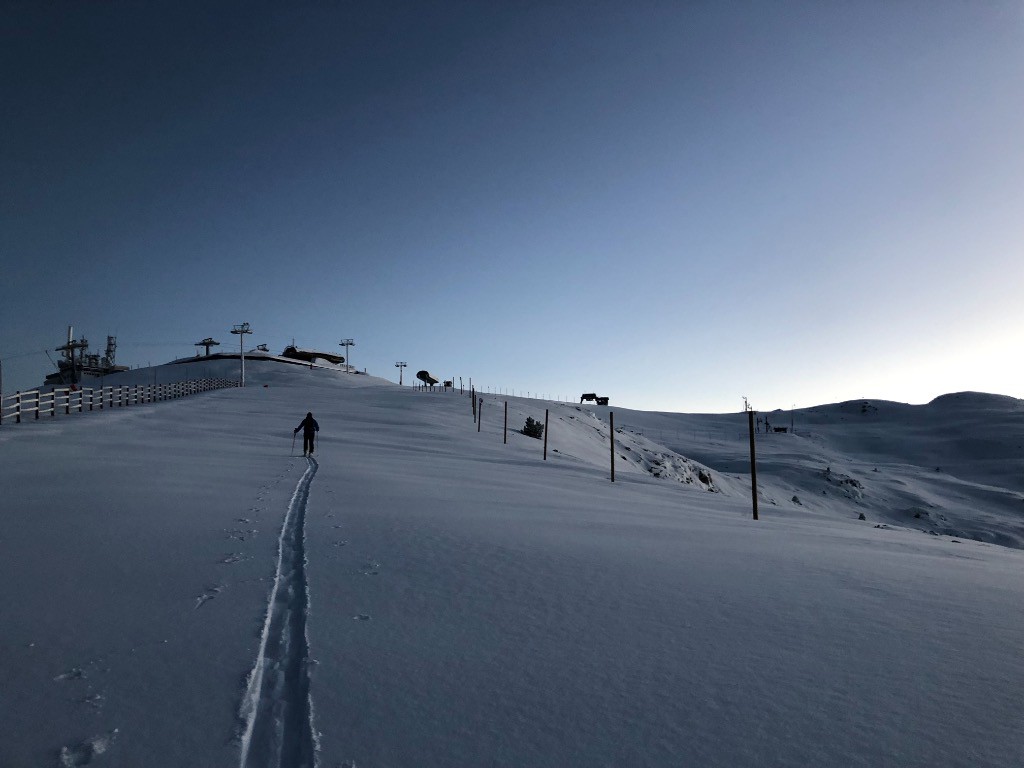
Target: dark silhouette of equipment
<point x="310" y="355"/>
<point x="73" y="369"/>
<point x="208" y="342"/>
<point x="426" y="378"/>
<point x="592" y="396"/>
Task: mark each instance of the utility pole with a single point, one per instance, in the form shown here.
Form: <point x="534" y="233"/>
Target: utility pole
<point x="241" y="330"/>
<point x="346" y="343"/>
<point x="611" y="440"/>
<point x="753" y="462"/>
<point x="545" y="434"/>
<point x="400" y="367"/>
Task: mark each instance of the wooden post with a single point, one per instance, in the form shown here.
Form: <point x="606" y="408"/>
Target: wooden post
<point x="67" y="404"/>
<point x="545" y="434"/>
<point x="505" y="439"/>
<point x="480" y="414"/>
<point x="611" y="439"/>
<point x="38" y="404"/>
<point x="17" y="407"/>
<point x="473" y="398"/>
<point x="753" y="463"/>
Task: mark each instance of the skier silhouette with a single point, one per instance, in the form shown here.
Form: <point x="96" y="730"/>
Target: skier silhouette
<point x="309" y="429"/>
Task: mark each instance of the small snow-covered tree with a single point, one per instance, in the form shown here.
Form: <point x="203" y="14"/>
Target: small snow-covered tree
<point x="533" y="428"/>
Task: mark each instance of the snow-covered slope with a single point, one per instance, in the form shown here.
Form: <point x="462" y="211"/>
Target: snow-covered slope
<point x="443" y="598"/>
<point x="954" y="466"/>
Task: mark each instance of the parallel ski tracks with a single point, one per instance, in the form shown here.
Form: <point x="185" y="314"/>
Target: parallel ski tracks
<point x="276" y="711"/>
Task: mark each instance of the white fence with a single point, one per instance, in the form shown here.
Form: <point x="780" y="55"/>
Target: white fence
<point x="68" y="400"/>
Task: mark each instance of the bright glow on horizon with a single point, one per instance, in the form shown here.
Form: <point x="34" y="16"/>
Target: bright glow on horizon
<point x="799" y="203"/>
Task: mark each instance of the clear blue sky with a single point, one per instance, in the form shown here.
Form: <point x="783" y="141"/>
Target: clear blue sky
<point x="671" y="203"/>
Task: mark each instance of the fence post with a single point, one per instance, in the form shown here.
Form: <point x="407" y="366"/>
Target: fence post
<point x="753" y="465"/>
<point x="17" y="407"/>
<point x="480" y="414"/>
<point x="473" y="398"/>
<point x="38" y="405"/>
<point x="545" y="434"/>
<point x="505" y="438"/>
<point x="611" y="439"/>
<point x="67" y="404"/>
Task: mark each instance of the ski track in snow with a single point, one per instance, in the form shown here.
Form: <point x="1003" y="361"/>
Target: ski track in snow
<point x="276" y="710"/>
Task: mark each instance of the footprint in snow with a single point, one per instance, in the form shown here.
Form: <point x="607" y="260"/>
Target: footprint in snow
<point x="361" y="617"/>
<point x="82" y="754"/>
<point x="234" y="557"/>
<point x="75" y="673"/>
<point x="209" y="594"/>
<point x="239" y="535"/>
